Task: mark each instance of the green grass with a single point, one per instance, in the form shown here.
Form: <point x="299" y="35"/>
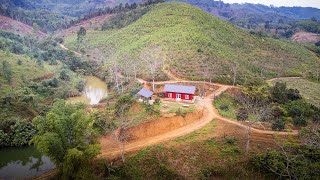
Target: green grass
<point x="189" y="36"/>
<point x="309" y="90"/>
<point x="28" y="70"/>
<point x="226" y="105"/>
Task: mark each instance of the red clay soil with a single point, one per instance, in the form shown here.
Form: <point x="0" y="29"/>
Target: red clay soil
<point x="305" y="37"/>
<point x="153" y="128"/>
<point x="92" y="23"/>
<point x="14" y="26"/>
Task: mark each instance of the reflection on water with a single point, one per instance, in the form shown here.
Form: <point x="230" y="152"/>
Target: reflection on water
<point x="18" y="163"/>
<point x="94" y="91"/>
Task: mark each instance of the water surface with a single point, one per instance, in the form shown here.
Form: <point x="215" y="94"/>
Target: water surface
<point x="23" y="162"/>
<point x="94" y="91"/>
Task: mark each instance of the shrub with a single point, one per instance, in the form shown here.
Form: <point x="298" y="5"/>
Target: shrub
<point x="242" y="114"/>
<point x="230" y="140"/>
<point x="299" y="121"/>
<point x="157" y="101"/>
<point x="278" y="124"/>
<point x="224" y="107"/>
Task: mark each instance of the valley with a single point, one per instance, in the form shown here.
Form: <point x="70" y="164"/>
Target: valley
<point x="84" y="90"/>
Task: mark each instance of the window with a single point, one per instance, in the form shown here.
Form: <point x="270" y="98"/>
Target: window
<point x="186" y="96"/>
<point x="178" y="96"/>
<point x="169" y="95"/>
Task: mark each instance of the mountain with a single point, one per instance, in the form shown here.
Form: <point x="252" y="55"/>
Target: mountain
<point x="17" y="27"/>
<point x="279" y="21"/>
<point x="192" y="40"/>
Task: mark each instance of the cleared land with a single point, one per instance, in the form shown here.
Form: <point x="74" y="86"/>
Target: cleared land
<point x="305" y="37"/>
<point x="309" y="90"/>
<point x="191" y="39"/>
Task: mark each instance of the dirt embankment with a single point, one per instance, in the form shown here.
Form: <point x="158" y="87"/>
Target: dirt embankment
<point x="151" y="129"/>
<point x="163" y="125"/>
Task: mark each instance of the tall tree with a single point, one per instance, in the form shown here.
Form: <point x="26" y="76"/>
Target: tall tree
<point x="80" y="36"/>
<point x="66" y="135"/>
<point x="255" y="107"/>
<point x="153" y="58"/>
<point x="6" y="71"/>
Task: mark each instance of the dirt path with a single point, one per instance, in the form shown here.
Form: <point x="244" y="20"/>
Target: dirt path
<point x="210" y="113"/>
<point x="208" y="116"/>
<point x="65" y="48"/>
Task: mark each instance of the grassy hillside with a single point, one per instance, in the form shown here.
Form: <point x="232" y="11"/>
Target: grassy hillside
<point x="309" y="90"/>
<point x="23" y="68"/>
<point x="192" y="40"/>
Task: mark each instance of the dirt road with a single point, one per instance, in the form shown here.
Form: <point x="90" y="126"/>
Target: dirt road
<point x="210" y="113"/>
<point x="65" y="48"/>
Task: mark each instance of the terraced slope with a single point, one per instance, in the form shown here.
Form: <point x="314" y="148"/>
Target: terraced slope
<point x="192" y="39"/>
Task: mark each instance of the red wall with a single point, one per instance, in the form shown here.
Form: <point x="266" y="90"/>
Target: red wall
<point x="183" y="96"/>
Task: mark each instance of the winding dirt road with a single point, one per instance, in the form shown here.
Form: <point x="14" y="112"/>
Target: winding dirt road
<point x="210" y="113"/>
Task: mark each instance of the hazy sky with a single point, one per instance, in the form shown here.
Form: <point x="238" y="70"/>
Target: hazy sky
<point x="304" y="3"/>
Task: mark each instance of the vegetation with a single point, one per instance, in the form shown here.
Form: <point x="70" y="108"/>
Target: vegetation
<point x="286" y="108"/>
<point x="189" y="39"/>
<point x="293" y="160"/>
<point x="66" y="135"/>
<point x="263" y="20"/>
<point x="195" y="156"/>
<point x="308" y="89"/>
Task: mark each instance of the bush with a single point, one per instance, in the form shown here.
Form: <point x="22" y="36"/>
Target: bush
<point x="300" y="162"/>
<point x="157" y="101"/>
<point x="230" y="140"/>
<point x="242" y="114"/>
<point x="278" y="124"/>
<point x="224" y="107"/>
<point x="299" y="121"/>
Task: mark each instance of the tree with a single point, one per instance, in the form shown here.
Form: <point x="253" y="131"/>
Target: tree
<point x="255" y="103"/>
<point x="152" y="56"/>
<point x="80" y="36"/>
<point x="120" y="134"/>
<point x="64" y="75"/>
<point x="66" y="135"/>
<point x="234" y="69"/>
<point x="6" y="71"/>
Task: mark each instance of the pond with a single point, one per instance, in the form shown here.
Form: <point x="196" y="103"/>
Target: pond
<point x="93" y="92"/>
<point x="23" y="162"/>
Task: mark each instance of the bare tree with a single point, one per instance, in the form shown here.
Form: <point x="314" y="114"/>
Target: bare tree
<point x="257" y="110"/>
<point x="153" y="58"/>
<point x="311" y="135"/>
<point x="121" y="135"/>
<point x="234" y="69"/>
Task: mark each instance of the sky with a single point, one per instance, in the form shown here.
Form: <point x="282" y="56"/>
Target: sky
<point x="303" y="3"/>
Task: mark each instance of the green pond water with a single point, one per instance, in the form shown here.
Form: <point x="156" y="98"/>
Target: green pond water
<point x="94" y="91"/>
<point x="24" y="162"/>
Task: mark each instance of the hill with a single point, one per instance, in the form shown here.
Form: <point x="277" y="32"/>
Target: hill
<point x="192" y="39"/>
<point x="14" y="26"/>
<point x="279" y="21"/>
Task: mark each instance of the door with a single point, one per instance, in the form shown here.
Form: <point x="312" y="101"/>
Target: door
<point x="178" y="96"/>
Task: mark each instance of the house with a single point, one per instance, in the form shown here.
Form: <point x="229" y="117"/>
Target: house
<point x="179" y="92"/>
<point x="145" y="93"/>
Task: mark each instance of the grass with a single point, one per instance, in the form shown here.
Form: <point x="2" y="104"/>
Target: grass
<point x="28" y="70"/>
<point x="190" y="37"/>
<point x="195" y="156"/>
<point x="226" y="106"/>
<point x="309" y="90"/>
